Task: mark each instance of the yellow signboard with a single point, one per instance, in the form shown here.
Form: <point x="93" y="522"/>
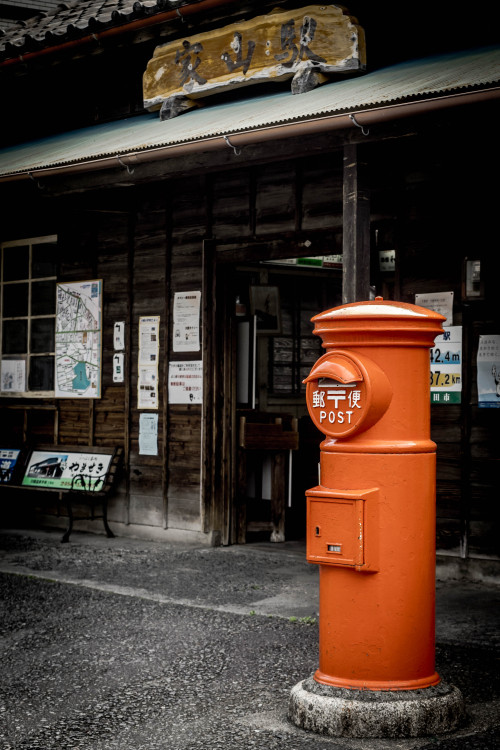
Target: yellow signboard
<point x="307" y="45"/>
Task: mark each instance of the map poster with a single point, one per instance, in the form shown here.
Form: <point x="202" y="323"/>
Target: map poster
<point x="78" y="339"/>
<point x="59" y="469"/>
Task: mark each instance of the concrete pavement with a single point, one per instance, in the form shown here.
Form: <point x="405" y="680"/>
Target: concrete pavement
<point x="120" y="643"/>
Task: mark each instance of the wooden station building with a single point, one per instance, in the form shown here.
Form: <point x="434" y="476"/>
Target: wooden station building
<point x="220" y="172"/>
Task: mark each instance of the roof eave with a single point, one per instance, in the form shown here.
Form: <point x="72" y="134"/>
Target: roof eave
<point x="362" y="118"/>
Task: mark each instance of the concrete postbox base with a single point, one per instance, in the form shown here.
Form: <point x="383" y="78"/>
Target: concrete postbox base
<point x="340" y="712"/>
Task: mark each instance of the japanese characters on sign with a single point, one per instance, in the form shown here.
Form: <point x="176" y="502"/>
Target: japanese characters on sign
<point x="277" y="46"/>
<point x="446" y="367"/>
<point x="185" y="382"/>
<point x="336" y="407"/>
<point x="59" y="470"/>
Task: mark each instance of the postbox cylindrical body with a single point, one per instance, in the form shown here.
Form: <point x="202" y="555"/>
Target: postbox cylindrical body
<point x="371" y="519"/>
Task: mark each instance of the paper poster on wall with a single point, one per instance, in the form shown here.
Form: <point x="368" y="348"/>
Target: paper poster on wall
<point x="186" y="322"/>
<point x="446" y="367"/>
<point x="13" y="375"/>
<point x="185" y="382"/>
<point x="148" y="434"/>
<point x="78" y="340"/>
<point x="118" y="374"/>
<point x="119" y="336"/>
<point x="149" y="350"/>
<point x="149" y="340"/>
<point x="488" y="372"/>
<point x="147" y="388"/>
<point x="57" y="469"/>
<point x="8" y="460"/>
<point x="440" y="302"/>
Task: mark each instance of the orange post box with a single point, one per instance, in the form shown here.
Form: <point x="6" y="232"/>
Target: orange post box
<point x="371" y="520"/>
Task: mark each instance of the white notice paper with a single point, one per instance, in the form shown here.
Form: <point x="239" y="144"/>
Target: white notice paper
<point x="13" y="375"/>
<point x="119" y="336"/>
<point x="118" y="374"/>
<point x="147" y="388"/>
<point x="149" y="340"/>
<point x="187" y="321"/>
<point x="148" y="434"/>
<point x="440" y="302"/>
<point x="185" y="382"/>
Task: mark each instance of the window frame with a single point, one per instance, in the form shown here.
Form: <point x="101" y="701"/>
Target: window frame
<point x="29" y="354"/>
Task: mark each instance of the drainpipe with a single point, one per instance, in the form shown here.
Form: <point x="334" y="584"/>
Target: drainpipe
<point x="138" y="25"/>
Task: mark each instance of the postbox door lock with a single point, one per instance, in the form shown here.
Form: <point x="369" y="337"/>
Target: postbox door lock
<point x="342" y="528"/>
<point x="334" y="548"/>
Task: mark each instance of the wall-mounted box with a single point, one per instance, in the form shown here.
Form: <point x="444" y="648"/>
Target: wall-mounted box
<point x="341" y="528"/>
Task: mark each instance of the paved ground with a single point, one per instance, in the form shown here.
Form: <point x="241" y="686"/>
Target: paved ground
<point x="108" y="644"/>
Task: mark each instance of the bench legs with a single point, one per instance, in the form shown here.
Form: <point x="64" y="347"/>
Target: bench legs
<point x="67" y="533"/>
<point x="109" y="533"/>
<point x="65" y="537"/>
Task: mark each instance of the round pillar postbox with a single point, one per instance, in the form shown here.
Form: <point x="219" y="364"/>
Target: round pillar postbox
<point x="371" y="527"/>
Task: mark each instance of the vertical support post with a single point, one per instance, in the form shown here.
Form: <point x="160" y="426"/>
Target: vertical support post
<point x="208" y="427"/>
<point x="356" y="228"/>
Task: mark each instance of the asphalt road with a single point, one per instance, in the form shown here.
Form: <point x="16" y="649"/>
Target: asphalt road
<point x="110" y="644"/>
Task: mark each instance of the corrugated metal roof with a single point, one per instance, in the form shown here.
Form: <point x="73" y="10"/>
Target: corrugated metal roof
<point x="410" y="81"/>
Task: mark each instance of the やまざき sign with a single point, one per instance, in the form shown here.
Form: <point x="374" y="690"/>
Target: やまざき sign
<point x="59" y="470"/>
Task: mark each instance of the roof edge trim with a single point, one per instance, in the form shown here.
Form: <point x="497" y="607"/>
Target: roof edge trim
<point x="361" y="118"/>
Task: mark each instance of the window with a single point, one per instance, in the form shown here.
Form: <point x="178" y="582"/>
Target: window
<point x="293" y="353"/>
<point x="28" y="306"/>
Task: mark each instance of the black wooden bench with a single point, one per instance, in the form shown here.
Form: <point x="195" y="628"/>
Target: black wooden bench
<point x="78" y="474"/>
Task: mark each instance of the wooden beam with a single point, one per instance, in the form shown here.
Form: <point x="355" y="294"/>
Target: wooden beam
<point x="210" y="513"/>
<point x="356" y="228"/>
<point x="173" y="166"/>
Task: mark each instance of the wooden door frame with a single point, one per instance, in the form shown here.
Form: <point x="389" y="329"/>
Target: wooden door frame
<point x="219" y="398"/>
<point x="218" y="439"/>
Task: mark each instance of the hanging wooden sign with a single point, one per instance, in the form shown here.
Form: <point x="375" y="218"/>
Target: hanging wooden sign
<point x="307" y="45"/>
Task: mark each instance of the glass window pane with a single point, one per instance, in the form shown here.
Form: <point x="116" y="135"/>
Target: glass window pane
<point x="15" y="336"/>
<point x="43" y="260"/>
<point x="41" y="377"/>
<point x="282" y="380"/>
<point x="42" y="335"/>
<point x="43" y="298"/>
<point x="16" y="263"/>
<point x="15" y="300"/>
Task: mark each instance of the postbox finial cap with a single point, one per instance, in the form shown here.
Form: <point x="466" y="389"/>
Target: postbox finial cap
<point x="380" y="308"/>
